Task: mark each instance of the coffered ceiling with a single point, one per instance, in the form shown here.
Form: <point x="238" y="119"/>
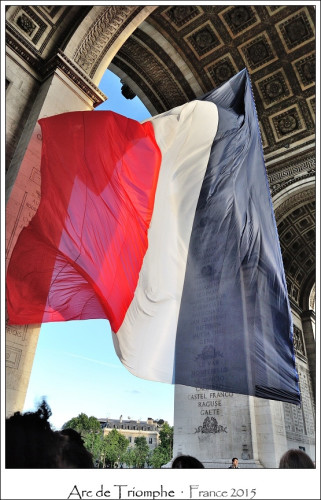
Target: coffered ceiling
<point x="275" y="43"/>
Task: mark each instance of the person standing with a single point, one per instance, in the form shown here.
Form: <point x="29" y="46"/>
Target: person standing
<point x="235" y="463"/>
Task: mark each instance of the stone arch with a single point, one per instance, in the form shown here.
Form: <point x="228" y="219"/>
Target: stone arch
<point x="101" y="34"/>
<point x="307" y="297"/>
<point x="158" y="73"/>
<point x="311" y="303"/>
<point x="299" y="196"/>
<point x="300" y="192"/>
<point x="295" y="218"/>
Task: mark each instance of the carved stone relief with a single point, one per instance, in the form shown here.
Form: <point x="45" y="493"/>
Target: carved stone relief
<point x="182" y="15"/>
<point x="210" y="425"/>
<point x="98" y="39"/>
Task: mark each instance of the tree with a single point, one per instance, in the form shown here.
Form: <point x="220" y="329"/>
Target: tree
<point x="94" y="443"/>
<point x="129" y="457"/>
<point x="166" y="435"/>
<point x="141" y="450"/>
<point x="159" y="457"/>
<point x="163" y="453"/>
<point x="84" y="424"/>
<point x="114" y="447"/>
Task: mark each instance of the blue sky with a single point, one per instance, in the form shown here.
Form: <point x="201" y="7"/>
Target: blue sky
<point x="75" y="365"/>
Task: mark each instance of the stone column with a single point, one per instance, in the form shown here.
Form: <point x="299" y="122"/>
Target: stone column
<point x="66" y="88"/>
<point x="214" y="427"/>
<point x="268" y="431"/>
<point x="21" y="343"/>
<point x="308" y="322"/>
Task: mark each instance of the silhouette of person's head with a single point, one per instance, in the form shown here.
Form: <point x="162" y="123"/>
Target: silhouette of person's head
<point x="187" y="462"/>
<point x="32" y="444"/>
<point x="73" y="451"/>
<point x="30" y="441"/>
<point x="296" y="459"/>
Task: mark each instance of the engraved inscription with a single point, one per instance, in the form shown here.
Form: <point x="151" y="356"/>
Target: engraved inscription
<point x="35" y="176"/>
<point x="13" y="357"/>
<point x="17" y="332"/>
<point x="209" y="404"/>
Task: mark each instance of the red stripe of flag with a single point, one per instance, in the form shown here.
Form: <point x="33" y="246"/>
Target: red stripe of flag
<point x="80" y="256"/>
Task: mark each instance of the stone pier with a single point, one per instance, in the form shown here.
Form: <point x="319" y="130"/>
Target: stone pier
<point x="216" y="426"/>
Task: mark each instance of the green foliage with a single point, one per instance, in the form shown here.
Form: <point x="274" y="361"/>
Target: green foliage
<point x="141" y="451"/>
<point x="166" y="436"/>
<point x="84" y="424"/>
<point x="163" y="453"/>
<point x="129" y="458"/>
<point x="160" y="456"/>
<point x="114" y="447"/>
<point x="93" y="443"/>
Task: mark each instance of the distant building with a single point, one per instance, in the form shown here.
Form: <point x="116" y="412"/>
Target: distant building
<point x="132" y="429"/>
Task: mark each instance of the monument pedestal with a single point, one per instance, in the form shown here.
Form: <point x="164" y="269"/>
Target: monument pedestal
<point x="216" y="426"/>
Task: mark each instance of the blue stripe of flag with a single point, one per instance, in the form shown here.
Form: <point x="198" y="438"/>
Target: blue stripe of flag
<point x="235" y="330"/>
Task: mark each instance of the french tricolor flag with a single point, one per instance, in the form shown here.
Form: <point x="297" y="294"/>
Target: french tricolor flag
<point x="165" y="228"/>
